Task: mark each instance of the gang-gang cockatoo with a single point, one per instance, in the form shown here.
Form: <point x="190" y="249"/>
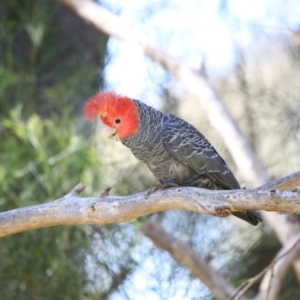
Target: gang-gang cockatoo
<point x="175" y="151"/>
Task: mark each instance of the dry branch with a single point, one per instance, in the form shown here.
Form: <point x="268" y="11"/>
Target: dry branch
<point x="285" y="183"/>
<point x="182" y="251"/>
<point x="73" y="209"/>
<point x="273" y="273"/>
<point x="273" y="278"/>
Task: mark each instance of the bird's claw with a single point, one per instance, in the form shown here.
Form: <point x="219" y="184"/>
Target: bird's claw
<point x="156" y="187"/>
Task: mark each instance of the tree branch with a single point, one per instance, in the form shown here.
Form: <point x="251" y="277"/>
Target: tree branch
<point x="273" y="278"/>
<point x="185" y="255"/>
<point x="72" y="209"/>
<point x="274" y="273"/>
<point x="285" y="183"/>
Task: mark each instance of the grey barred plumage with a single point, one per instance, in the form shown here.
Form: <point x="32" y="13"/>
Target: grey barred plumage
<point x="177" y="153"/>
<point x="174" y="150"/>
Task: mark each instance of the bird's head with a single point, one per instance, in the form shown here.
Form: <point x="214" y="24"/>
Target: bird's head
<point x="118" y="112"/>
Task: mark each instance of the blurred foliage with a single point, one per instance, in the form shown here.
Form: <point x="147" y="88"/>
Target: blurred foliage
<point x="49" y="59"/>
<point x="49" y="63"/>
<point x="42" y="159"/>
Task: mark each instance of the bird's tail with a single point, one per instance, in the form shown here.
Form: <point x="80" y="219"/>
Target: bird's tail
<point x="252" y="217"/>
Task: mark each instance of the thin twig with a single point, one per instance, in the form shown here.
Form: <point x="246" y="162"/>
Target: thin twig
<point x="270" y="283"/>
<point x="182" y="251"/>
<point x="285" y="183"/>
<point x="242" y="289"/>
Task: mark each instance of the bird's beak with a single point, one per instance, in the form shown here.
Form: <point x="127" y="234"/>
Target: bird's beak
<point x="111" y="133"/>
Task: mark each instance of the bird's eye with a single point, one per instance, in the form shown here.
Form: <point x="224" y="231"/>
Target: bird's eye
<point x="117" y="121"/>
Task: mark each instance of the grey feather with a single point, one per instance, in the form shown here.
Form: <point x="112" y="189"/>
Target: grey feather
<point x="177" y="153"/>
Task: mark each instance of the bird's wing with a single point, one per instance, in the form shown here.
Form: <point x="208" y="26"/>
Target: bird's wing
<point x="191" y="148"/>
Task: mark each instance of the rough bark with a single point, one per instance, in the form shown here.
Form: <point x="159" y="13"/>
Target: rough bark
<point x="73" y="209"/>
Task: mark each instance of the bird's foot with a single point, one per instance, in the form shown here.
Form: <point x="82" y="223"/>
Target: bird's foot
<point x="156" y="187"/>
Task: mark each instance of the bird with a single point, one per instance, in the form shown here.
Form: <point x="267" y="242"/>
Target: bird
<point x="175" y="152"/>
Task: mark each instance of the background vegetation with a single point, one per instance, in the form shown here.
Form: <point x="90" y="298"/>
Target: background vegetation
<point x="50" y="63"/>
